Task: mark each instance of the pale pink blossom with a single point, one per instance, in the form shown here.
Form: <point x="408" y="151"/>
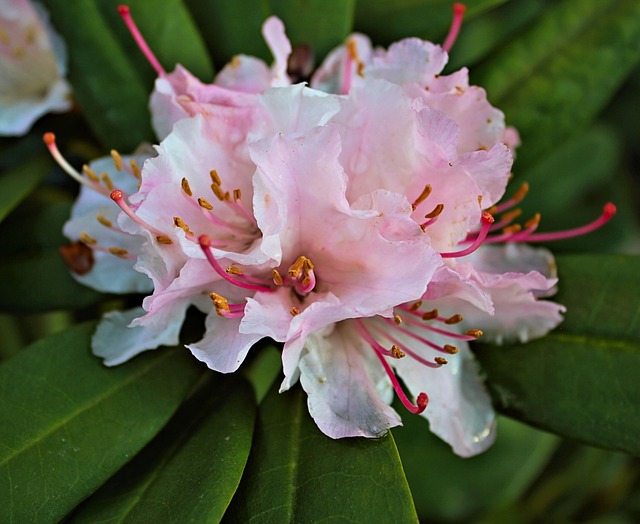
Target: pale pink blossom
<point x="32" y="67"/>
<point x="351" y="227"/>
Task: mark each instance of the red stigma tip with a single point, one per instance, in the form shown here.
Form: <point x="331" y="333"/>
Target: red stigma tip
<point x="116" y="195"/>
<point x="459" y="9"/>
<point x="488" y="218"/>
<point x="422" y="402"/>
<point x="609" y="209"/>
<point x="50" y="138"/>
<point x="123" y="10"/>
<point x="204" y="241"/>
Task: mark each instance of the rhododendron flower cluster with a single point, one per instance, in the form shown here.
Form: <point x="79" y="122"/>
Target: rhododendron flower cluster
<point x="32" y="67"/>
<point x="351" y="220"/>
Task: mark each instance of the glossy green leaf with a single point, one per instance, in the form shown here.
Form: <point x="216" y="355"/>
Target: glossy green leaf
<point x="557" y="76"/>
<point x="466" y="487"/>
<point x="232" y="28"/>
<point x="386" y="21"/>
<point x="67" y="423"/>
<point x="190" y="471"/>
<point x="35" y="276"/>
<point x="17" y="183"/>
<point x="581" y="380"/>
<point x="297" y="474"/>
<point x="106" y="85"/>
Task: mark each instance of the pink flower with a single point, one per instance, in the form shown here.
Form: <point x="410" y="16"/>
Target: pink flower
<point x="352" y="228"/>
<point x="32" y="67"/>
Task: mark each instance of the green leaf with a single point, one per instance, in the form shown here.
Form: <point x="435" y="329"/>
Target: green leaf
<point x="17" y="183"/>
<point x="386" y="21"/>
<point x="581" y="380"/>
<point x="108" y="88"/>
<point x="464" y="488"/>
<point x="232" y="28"/>
<point x="190" y="471"/>
<point x="67" y="423"/>
<point x="297" y="474"/>
<point x="558" y="75"/>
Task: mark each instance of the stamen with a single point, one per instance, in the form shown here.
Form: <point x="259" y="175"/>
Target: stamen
<point x="405" y="349"/>
<point x="232" y="270"/>
<point x="456" y="24"/>
<point x="50" y="141"/>
<point x="118" y="251"/>
<point x="416" y="305"/>
<point x="186" y="187"/>
<point x="139" y="39"/>
<point x="423" y="196"/>
<point x="475" y="333"/>
<point x="351" y="56"/>
<point x="294" y="311"/>
<point x="118" y="198"/>
<point x="487" y="220"/>
<point x="432" y="217"/>
<point x="224" y="309"/>
<point x="104" y="221"/>
<point x="90" y="174"/>
<point x="215" y="178"/>
<point x="135" y="169"/>
<point x="237" y="194"/>
<point x="421" y="401"/>
<point x="85" y="238"/>
<point x="375" y="345"/>
<point x="277" y="279"/>
<point x="608" y="212"/>
<point x="206" y="244"/>
<point x="430" y="315"/>
<point x="513" y="201"/>
<point x="440" y="360"/>
<point x="218" y="192"/>
<point x="455" y="319"/>
<point x="106" y="180"/>
<point x="203" y="203"/>
<point x="117" y="159"/>
<point x="396" y="352"/>
<point x="178" y="222"/>
<point x="397" y="319"/>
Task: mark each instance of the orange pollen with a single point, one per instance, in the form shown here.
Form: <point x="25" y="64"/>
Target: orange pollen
<point x="476" y="333"/>
<point x="416" y="306"/>
<point x="178" y="222"/>
<point x="237" y="194"/>
<point x="164" y="240"/>
<point x="294" y="311"/>
<point x="397" y="319"/>
<point x="204" y="204"/>
<point x="231" y="270"/>
<point x="220" y="303"/>
<point x="277" y="279"/>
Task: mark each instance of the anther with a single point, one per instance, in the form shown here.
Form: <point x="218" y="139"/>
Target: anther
<point x="118" y="251"/>
<point x="436" y="211"/>
<point x="295" y="270"/>
<point x="90" y="174"/>
<point x="441" y="361"/>
<point x="475" y="333"/>
<point x="232" y="270"/>
<point x="104" y="221"/>
<point x="397" y="319"/>
<point x="396" y="352"/>
<point x="178" y="222"/>
<point x="430" y="315"/>
<point x="186" y="187"/>
<point x="416" y="305"/>
<point x="135" y="169"/>
<point x="455" y="319"/>
<point x="163" y="239"/>
<point x="512" y="230"/>
<point x="452" y="350"/>
<point x="423" y="196"/>
<point x="117" y="159"/>
<point x="220" y="303"/>
<point x="533" y="222"/>
<point x="237" y="194"/>
<point x="217" y="191"/>
<point x="106" y="180"/>
<point x="204" y="204"/>
<point x="294" y="311"/>
<point x="87" y="239"/>
<point x="277" y="279"/>
<point x="215" y="178"/>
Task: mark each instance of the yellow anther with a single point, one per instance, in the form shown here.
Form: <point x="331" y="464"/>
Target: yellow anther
<point x="104" y="220"/>
<point x="220" y="303"/>
<point x="90" y="174"/>
<point x="204" y="204"/>
<point x="87" y="239"/>
<point x="416" y="305"/>
<point x="476" y="333"/>
<point x="396" y="352"/>
<point x="18" y="52"/>
<point x="117" y="159"/>
<point x="452" y="350"/>
<point x="397" y="319"/>
<point x="231" y="270"/>
<point x="430" y="315"/>
<point x="455" y="319"/>
<point x="4" y="37"/>
<point x="423" y="196"/>
<point x="217" y="191"/>
<point x="215" y="178"/>
<point x="294" y="311"/>
<point x="164" y="240"/>
<point x="135" y="168"/>
<point x="441" y="361"/>
<point x="277" y="279"/>
<point x="178" y="222"/>
<point x="436" y="211"/>
<point x="118" y="251"/>
<point x="237" y="194"/>
<point x="186" y="187"/>
<point x="295" y="270"/>
<point x="106" y="180"/>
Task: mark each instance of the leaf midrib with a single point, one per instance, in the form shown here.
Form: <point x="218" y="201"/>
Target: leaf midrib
<point x="94" y="402"/>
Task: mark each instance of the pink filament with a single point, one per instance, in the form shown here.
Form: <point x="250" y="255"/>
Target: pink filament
<point x="607" y="213"/>
<point x="124" y="12"/>
<point x="421" y="401"/>
<point x="456" y="24"/>
<point x="451" y="334"/>
<point x="487" y="220"/>
<point x="346" y="73"/>
<point x="205" y="244"/>
<point x="407" y="350"/>
<point x="425" y="341"/>
<point x="375" y="345"/>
